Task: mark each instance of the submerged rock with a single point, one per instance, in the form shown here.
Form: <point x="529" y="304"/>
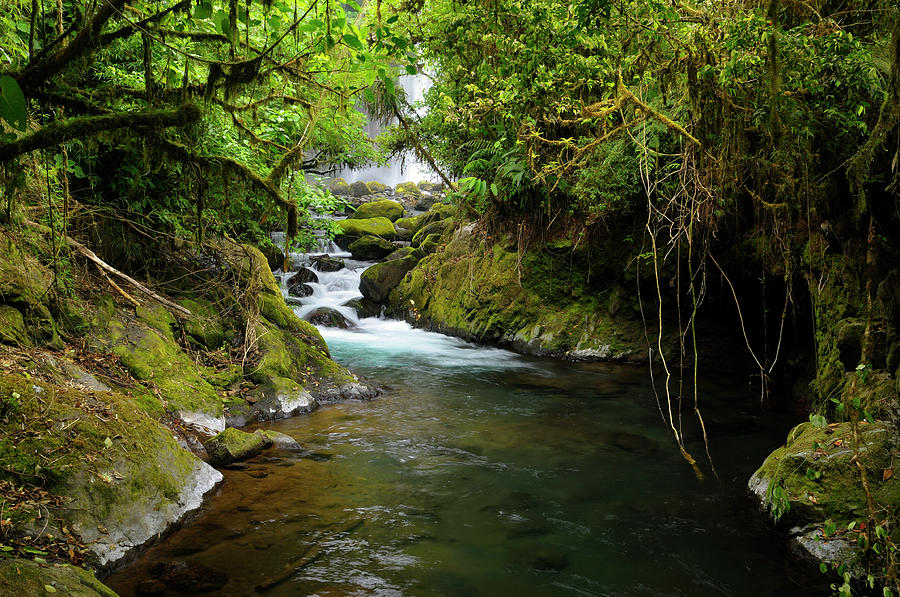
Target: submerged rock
<point x="188" y="576"/>
<point x="233" y="445"/>
<point x="279" y="440"/>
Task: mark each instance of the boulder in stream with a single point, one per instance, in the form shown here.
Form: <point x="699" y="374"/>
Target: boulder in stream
<point x="352" y="228"/>
<point x="298" y="284"/>
<point x="359" y="189"/>
<point x="377" y="282"/>
<point x="281" y="441"/>
<point x="408" y="188"/>
<point x="379" y="209"/>
<point x="232" y="445"/>
<point x="371" y="248"/>
<point x="364" y="307"/>
<point x="328" y="317"/>
<point x="327" y="263"/>
<point x="282" y="398"/>
<point x="188" y="576"/>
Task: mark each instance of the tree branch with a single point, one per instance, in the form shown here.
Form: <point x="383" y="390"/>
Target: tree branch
<point x="132" y="28"/>
<point x="75" y="128"/>
<point x="36" y="74"/>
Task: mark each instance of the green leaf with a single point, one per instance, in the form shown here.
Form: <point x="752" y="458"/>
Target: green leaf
<point x="412" y="70"/>
<point x="494" y="189"/>
<point x="203" y="10"/>
<point x="352" y="41"/>
<point x="50" y="588"/>
<point x="13" y="108"/>
<point x="107" y="442"/>
<point x="392" y="20"/>
<point x="34" y="551"/>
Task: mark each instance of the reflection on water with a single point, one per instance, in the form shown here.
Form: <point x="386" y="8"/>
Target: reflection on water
<point x="480" y="472"/>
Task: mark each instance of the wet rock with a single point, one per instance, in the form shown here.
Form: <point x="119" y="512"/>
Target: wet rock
<point x="189" y="576"/>
<point x="384" y="208"/>
<point x="339" y="186"/>
<point x="425" y="203"/>
<point x="328" y="317"/>
<point x="281" y="398"/>
<point x="377" y="282"/>
<point x="408" y="188"/>
<point x="353" y="228"/>
<point x="326" y="263"/>
<point x="364" y="307"/>
<point x="377" y="187"/>
<point x="371" y="248"/>
<point x="359" y="189"/>
<point x="280" y="440"/>
<point x="232" y="445"/>
<point x="298" y="284"/>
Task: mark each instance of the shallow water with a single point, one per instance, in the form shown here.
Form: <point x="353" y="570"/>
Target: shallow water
<point x="481" y="472"/>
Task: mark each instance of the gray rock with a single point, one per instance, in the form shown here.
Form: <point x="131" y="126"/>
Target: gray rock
<point x="282" y="398"/>
<point x="298" y="283"/>
<point x="325" y="263"/>
<point x="329" y="318"/>
<point x="359" y="189"/>
<point x="281" y="441"/>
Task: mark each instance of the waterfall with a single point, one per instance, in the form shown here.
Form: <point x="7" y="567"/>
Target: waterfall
<point x="399" y="168"/>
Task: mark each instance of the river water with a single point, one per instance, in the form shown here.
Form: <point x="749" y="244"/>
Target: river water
<point x="482" y="472"/>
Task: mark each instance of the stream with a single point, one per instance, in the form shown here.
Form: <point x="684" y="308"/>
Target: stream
<point x="482" y="472"/>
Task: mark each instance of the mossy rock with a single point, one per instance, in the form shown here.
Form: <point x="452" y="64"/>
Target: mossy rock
<point x="364" y="307"/>
<point x="376" y="187"/>
<point x="407" y="227"/>
<point x="204" y="327"/>
<point x="408" y="188"/>
<point x="403" y="252"/>
<point x="126" y="472"/>
<point x="281" y="441"/>
<point x="25" y="285"/>
<point x="339" y="186"/>
<point x="379" y="226"/>
<point x="282" y="397"/>
<point x="444" y="210"/>
<point x="27" y="578"/>
<point x="437" y="227"/>
<point x="430" y="244"/>
<point x="818" y="473"/>
<point x="379" y="209"/>
<point x="377" y="281"/>
<point x="371" y="248"/>
<point x="359" y="189"/>
<point x="12" y="327"/>
<point x="233" y="445"/>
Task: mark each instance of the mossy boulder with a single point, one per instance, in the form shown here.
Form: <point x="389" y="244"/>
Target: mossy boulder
<point x="339" y="186"/>
<point x="233" y="445"/>
<point x="376" y="187"/>
<point x="281" y="441"/>
<point x="407" y="188"/>
<point x="27" y="578"/>
<point x="814" y="478"/>
<point x="356" y="228"/>
<point x="204" y="327"/>
<point x="430" y="244"/>
<point x="379" y="209"/>
<point x="437" y="227"/>
<point x="147" y="348"/>
<point x="364" y="307"/>
<point x="25" y="286"/>
<point x="12" y="327"/>
<point x="545" y="302"/>
<point x="282" y="397"/>
<point x="371" y="248"/>
<point x="407" y="227"/>
<point x="359" y="189"/>
<point x="377" y="281"/>
<point x="126" y="478"/>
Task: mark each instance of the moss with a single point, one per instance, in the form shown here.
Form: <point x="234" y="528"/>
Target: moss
<point x="204" y="326"/>
<point x="408" y="188"/>
<point x="379" y="226"/>
<point x="27" y="578"/>
<point x="376" y="187"/>
<point x="232" y="445"/>
<point x="12" y="327"/>
<point x="483" y="291"/>
<point x="379" y="209"/>
<point x="818" y="472"/>
<point x="371" y="248"/>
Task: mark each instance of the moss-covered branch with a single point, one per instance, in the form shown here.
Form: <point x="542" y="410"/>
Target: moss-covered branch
<point x="131" y="28"/>
<point x="78" y="128"/>
<point x="238" y="170"/>
<point x="37" y="73"/>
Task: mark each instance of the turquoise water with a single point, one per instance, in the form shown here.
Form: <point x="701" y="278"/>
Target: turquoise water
<point x="481" y="472"/>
